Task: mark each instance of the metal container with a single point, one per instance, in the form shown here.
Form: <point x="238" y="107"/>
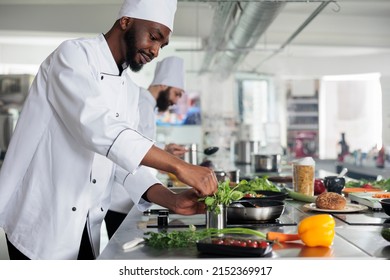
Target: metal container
<point x="216" y="220"/>
<point x="234" y="176"/>
<point x="8" y="120"/>
<point x="266" y="163"/>
<point x="244" y="149"/>
<point x="263" y="210"/>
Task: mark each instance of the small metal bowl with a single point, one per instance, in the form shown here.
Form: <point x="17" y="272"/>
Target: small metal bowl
<point x="385" y="205"/>
<point x="263" y="210"/>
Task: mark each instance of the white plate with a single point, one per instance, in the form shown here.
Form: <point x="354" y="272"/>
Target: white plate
<point x="347" y="209"/>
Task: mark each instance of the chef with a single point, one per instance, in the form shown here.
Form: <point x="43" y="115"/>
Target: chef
<point x="165" y="90"/>
<point x="75" y="123"/>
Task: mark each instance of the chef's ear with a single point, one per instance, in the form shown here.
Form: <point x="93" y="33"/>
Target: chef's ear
<point x="125" y="22"/>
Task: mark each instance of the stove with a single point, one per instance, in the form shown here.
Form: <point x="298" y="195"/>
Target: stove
<point x="282" y="221"/>
<point x="371" y="219"/>
<point x="163" y="219"/>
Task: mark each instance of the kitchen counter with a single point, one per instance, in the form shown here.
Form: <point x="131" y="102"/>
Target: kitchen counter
<point x="363" y="172"/>
<point x="352" y="241"/>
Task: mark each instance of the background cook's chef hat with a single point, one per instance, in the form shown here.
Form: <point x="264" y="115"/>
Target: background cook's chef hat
<point x="169" y="72"/>
<point x="161" y="11"/>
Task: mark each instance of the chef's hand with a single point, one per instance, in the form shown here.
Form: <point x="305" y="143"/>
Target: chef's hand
<point x="187" y="203"/>
<point x="202" y="179"/>
<point x="176" y="150"/>
<point x="183" y="203"/>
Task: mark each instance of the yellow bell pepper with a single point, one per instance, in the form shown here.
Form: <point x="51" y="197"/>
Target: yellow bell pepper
<point x="317" y="230"/>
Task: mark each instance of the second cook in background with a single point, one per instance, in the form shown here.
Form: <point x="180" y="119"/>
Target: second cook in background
<point x="165" y="90"/>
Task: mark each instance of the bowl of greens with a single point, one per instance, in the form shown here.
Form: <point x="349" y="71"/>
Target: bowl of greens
<point x="260" y="188"/>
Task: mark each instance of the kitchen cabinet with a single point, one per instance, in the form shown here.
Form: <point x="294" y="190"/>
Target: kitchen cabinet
<point x="302" y="113"/>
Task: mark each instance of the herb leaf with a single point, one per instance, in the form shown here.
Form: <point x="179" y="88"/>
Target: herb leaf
<point x="225" y="195"/>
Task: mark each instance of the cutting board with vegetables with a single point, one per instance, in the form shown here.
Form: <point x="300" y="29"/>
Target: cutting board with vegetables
<point x="370" y="199"/>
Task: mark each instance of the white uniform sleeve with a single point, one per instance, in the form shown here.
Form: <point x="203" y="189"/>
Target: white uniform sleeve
<point x="81" y="103"/>
<point x="137" y="184"/>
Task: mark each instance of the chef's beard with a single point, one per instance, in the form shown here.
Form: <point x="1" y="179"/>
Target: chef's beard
<point x="132" y="52"/>
<point x="163" y="101"/>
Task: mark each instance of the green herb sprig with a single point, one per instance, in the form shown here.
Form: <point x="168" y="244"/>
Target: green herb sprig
<point x="225" y="195"/>
<point x="189" y="237"/>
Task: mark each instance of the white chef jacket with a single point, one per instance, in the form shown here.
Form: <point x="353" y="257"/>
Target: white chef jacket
<point x="59" y="165"/>
<point x="147" y="104"/>
<point x="121" y="201"/>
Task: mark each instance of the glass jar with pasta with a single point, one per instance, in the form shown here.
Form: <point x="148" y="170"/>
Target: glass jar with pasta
<point x="304" y="176"/>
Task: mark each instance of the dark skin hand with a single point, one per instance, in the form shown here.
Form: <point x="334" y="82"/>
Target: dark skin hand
<point x="201" y="178"/>
<point x="183" y="203"/>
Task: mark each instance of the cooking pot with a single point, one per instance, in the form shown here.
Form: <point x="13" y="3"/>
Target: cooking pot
<point x="8" y="120"/>
<point x="244" y="149"/>
<point x="221" y="175"/>
<point x="266" y="163"/>
<point x="262" y="210"/>
<point x="234" y="176"/>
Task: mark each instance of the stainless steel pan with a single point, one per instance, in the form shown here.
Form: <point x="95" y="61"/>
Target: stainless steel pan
<point x="255" y="210"/>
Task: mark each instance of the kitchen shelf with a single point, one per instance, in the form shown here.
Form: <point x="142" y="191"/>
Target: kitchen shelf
<point x="302" y="125"/>
<point x="302" y="100"/>
<point x="303" y="114"/>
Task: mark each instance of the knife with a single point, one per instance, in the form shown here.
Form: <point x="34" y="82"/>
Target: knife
<point x="132" y="243"/>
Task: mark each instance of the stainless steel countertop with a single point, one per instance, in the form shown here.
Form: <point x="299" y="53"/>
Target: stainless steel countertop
<point x="351" y="241"/>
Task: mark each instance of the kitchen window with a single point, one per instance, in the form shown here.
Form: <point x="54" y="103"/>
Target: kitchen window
<point x="256" y="107"/>
<point x="352" y="105"/>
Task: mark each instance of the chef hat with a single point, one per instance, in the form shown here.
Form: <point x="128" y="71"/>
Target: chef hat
<point x="169" y="72"/>
<point x="161" y="11"/>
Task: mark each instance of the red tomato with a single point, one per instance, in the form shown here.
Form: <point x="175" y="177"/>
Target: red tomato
<point x="367" y="186"/>
<point x="263" y="244"/>
<point x="217" y="241"/>
<point x="319" y="186"/>
<point x="252" y="244"/>
<point x="228" y="242"/>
